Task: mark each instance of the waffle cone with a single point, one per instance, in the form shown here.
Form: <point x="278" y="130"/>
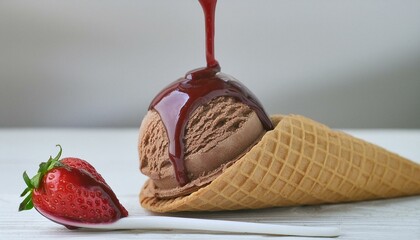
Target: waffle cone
<point x="300" y="162"/>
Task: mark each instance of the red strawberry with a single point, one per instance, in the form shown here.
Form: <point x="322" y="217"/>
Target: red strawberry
<point x="71" y="190"/>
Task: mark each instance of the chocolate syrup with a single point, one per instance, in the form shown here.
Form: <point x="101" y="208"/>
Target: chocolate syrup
<point x="177" y="102"/>
<point x="209" y="9"/>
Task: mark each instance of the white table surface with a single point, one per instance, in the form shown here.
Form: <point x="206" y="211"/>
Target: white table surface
<point x="114" y="154"/>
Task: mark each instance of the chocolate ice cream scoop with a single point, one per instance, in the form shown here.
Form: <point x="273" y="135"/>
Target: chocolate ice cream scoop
<point x="198" y="125"/>
<point x="217" y="134"/>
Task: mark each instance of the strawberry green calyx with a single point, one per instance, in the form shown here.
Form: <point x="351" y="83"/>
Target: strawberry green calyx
<point x="34" y="182"/>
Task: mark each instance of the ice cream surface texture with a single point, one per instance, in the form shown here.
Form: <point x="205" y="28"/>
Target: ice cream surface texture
<point x="218" y="133"/>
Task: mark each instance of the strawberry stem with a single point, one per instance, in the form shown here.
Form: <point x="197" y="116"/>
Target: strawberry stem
<point x="34" y="182"/>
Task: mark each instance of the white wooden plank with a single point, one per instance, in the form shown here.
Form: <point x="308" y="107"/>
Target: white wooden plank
<point x="114" y="152"/>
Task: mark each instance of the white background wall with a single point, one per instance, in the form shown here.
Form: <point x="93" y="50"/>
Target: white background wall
<point x="98" y="63"/>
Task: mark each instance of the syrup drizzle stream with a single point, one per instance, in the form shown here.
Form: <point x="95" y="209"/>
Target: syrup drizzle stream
<point x="209" y="9"/>
<point x="177" y="102"/>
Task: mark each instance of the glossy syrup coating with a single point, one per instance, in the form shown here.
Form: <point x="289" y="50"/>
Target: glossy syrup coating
<point x="177" y="102"/>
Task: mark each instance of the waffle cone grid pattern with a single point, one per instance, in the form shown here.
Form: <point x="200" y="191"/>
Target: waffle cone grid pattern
<point x="300" y="162"/>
